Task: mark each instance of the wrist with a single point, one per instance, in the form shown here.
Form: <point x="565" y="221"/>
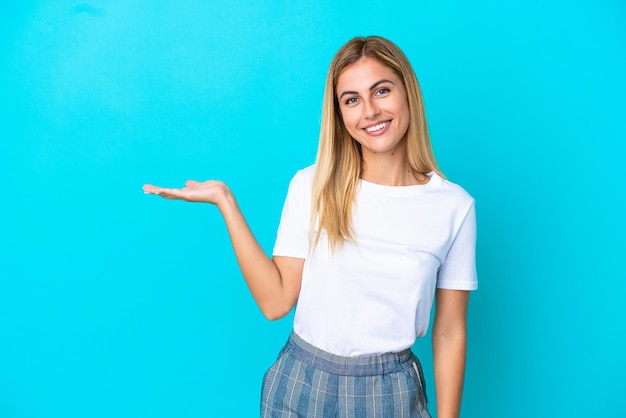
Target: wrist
<point x="225" y="199"/>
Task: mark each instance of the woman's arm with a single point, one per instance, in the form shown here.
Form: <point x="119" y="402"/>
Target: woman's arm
<point x="449" y="342"/>
<point x="274" y="284"/>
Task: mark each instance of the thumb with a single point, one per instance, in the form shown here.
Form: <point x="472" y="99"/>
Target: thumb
<point x="191" y="183"/>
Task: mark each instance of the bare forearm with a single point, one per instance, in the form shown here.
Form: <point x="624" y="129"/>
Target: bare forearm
<point x="259" y="271"/>
<point x="274" y="284"/>
<point x="449" y="359"/>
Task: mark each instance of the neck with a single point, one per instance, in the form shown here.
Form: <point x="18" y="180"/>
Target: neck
<point x="390" y="170"/>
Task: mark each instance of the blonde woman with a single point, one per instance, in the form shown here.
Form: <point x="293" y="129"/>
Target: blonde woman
<point x="369" y="237"/>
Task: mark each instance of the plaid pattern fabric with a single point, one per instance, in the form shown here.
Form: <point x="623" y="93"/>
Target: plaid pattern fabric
<point x="308" y="382"/>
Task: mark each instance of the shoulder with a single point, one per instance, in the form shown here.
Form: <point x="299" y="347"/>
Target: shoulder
<point x="303" y="178"/>
<point x="301" y="184"/>
<point x="306" y="172"/>
<point x="451" y="192"/>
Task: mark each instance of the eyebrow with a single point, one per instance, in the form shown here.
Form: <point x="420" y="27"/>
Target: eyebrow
<point x="372" y="87"/>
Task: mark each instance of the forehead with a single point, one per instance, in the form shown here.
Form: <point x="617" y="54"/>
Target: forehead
<point x="363" y="73"/>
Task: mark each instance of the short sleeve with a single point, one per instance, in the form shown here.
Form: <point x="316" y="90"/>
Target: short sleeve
<point x="292" y="238"/>
<point x="458" y="271"/>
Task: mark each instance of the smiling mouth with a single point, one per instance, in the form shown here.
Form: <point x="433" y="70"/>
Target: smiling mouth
<point x="377" y="127"/>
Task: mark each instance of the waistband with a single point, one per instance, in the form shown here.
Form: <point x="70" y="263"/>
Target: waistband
<point x="348" y="366"/>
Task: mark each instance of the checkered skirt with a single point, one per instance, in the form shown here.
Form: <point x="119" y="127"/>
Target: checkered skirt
<point x="308" y="382"/>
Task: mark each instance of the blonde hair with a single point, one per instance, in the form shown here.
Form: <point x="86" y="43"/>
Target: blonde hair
<point x="338" y="165"/>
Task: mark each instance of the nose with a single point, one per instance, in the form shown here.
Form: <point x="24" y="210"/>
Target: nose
<point x="370" y="109"/>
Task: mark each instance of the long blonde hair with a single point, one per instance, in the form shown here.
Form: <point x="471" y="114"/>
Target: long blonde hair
<point x="338" y="165"/>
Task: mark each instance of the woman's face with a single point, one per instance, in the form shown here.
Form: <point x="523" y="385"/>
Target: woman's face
<point x="374" y="108"/>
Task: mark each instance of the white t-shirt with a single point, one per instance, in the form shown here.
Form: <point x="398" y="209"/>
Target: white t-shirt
<point x="374" y="294"/>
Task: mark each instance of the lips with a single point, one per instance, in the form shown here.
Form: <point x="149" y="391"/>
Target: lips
<point x="378" y="127"/>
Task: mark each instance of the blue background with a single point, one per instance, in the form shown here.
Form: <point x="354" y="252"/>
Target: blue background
<point x="117" y="304"/>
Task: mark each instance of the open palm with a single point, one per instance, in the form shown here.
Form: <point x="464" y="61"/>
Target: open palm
<point x="210" y="191"/>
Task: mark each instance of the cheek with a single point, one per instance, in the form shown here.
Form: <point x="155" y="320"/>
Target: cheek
<point x="346" y="116"/>
<point x="350" y="121"/>
<point x="403" y="111"/>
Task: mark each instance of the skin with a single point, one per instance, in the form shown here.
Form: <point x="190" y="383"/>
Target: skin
<point x="369" y="94"/>
<point x="449" y="338"/>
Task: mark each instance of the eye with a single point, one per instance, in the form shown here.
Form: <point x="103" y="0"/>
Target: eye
<point x="382" y="91"/>
<point x="351" y="101"/>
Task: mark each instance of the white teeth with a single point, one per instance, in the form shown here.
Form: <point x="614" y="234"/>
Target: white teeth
<point x="377" y="127"/>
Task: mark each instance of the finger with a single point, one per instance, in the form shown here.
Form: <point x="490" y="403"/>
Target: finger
<point x="150" y="189"/>
<point x="191" y="183"/>
<point x="172" y="193"/>
<point x="171" y="196"/>
<point x="168" y="193"/>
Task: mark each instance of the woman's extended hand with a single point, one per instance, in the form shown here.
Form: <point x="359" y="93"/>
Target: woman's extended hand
<point x="274" y="284"/>
<point x="211" y="191"/>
